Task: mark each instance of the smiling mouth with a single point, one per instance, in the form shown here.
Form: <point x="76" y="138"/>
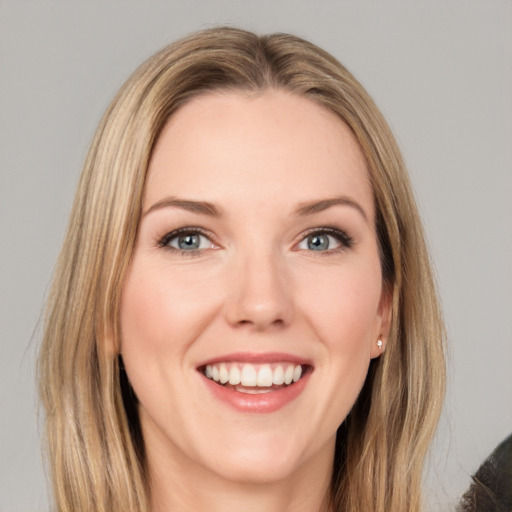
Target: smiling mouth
<point x="255" y="378"/>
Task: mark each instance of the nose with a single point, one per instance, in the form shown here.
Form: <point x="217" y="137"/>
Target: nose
<point x="260" y="293"/>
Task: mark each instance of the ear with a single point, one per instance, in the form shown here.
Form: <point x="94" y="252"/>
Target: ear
<point x="383" y="322"/>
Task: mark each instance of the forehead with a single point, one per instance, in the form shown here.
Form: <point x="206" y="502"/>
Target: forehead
<point x="287" y="148"/>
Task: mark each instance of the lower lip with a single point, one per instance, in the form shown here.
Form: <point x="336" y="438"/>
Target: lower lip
<point x="258" y="403"/>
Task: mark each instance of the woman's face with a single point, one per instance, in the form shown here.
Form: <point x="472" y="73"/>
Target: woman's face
<point x="256" y="264"/>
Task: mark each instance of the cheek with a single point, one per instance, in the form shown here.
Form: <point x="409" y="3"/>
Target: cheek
<point x="162" y="309"/>
<point x="344" y="316"/>
<point x="146" y="313"/>
<point x="343" y="305"/>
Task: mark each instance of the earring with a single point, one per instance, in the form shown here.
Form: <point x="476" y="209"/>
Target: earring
<point x="379" y="343"/>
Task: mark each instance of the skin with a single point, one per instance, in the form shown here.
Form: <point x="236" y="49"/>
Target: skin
<point x="254" y="285"/>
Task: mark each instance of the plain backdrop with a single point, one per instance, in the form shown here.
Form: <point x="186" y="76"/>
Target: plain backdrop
<point x="441" y="71"/>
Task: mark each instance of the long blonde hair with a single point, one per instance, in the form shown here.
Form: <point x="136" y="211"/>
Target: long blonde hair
<point x="94" y="447"/>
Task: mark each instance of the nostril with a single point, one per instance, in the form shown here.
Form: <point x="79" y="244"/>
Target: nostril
<point x="259" y="323"/>
<point x="277" y="323"/>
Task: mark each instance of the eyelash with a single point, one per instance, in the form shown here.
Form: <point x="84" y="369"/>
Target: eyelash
<point x="345" y="240"/>
<point x="166" y="239"/>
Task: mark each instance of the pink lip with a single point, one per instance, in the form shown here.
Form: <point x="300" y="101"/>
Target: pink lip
<point x="257" y="403"/>
<point x="255" y="358"/>
<point x="261" y="403"/>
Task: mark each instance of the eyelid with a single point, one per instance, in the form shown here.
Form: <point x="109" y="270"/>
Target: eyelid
<point x="164" y="240"/>
<point x="344" y="239"/>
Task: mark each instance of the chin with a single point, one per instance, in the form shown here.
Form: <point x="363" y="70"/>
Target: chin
<point x="259" y="461"/>
<point x="256" y="470"/>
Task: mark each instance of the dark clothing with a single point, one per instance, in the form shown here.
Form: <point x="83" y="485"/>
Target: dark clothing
<point x="491" y="490"/>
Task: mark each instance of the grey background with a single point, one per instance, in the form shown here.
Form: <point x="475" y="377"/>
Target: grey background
<point x="440" y="71"/>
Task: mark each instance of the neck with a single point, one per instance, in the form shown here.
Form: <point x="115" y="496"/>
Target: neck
<point x="190" y="487"/>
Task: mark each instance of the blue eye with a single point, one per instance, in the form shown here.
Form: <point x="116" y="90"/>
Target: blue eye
<point x="186" y="240"/>
<point x="319" y="242"/>
<point x="325" y="240"/>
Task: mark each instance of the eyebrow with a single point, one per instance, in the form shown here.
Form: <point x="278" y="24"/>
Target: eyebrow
<point x="312" y="207"/>
<point x="202" y="207"/>
<point x="207" y="208"/>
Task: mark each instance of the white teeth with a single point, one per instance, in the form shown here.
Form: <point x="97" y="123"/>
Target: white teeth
<point x="278" y="376"/>
<point x="248" y="375"/>
<point x="288" y="374"/>
<point x="265" y="376"/>
<point x="223" y="374"/>
<point x="234" y="375"/>
<point x="252" y="376"/>
<point x="253" y="391"/>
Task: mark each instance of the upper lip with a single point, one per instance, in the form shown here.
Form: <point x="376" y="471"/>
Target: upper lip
<point x="257" y="358"/>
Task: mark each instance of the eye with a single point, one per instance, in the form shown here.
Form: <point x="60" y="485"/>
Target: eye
<point x="186" y="240"/>
<point x="325" y="240"/>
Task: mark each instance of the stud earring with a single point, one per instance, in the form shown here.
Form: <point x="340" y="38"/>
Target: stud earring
<point x="379" y="343"/>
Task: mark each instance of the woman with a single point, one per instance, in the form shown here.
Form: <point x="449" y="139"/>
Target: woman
<point x="243" y="313"/>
